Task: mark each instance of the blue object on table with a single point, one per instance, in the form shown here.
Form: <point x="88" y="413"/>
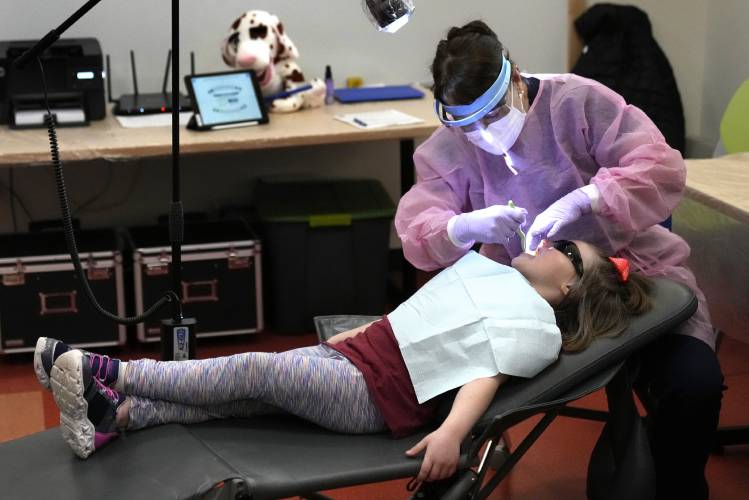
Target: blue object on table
<point x="386" y="93"/>
<point x="287" y="93"/>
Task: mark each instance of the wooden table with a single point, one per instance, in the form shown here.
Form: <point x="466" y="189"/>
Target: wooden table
<point x="107" y="139"/>
<point x="722" y="184"/>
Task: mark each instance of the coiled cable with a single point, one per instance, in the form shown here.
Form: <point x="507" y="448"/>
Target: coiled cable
<point x="67" y="222"/>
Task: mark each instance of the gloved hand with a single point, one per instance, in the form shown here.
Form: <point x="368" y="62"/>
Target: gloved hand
<point x="564" y="211"/>
<point x="494" y="224"/>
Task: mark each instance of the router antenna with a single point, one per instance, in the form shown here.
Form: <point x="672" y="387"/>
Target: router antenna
<point x="192" y="62"/>
<point x="166" y="71"/>
<point x="109" y="81"/>
<point x="135" y="75"/>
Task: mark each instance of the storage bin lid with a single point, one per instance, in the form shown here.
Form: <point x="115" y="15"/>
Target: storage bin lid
<point x="322" y="202"/>
<point x="196" y="233"/>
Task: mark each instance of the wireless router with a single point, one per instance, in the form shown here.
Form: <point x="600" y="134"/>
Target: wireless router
<point x="151" y="103"/>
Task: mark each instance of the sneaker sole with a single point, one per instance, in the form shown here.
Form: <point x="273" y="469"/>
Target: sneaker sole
<point x="41" y="374"/>
<point x="68" y="388"/>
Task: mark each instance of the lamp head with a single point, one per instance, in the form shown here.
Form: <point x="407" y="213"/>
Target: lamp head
<point x="388" y="15"/>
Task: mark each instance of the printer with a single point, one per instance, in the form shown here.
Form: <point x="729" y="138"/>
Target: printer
<point x="73" y="70"/>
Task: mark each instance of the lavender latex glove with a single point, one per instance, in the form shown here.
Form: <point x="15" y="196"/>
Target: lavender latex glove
<point x="494" y="224"/>
<point x="564" y="211"/>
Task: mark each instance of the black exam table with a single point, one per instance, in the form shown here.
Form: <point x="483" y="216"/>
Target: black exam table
<point x="275" y="457"/>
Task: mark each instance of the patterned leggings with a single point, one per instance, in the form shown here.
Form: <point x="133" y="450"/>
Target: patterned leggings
<point x="315" y="383"/>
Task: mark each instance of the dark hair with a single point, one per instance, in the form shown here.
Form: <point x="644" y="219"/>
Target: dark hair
<point x="601" y="304"/>
<point x="467" y="63"/>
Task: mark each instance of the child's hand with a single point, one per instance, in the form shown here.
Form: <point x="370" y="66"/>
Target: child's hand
<point x="441" y="458"/>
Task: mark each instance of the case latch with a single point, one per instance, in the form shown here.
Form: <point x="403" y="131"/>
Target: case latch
<point x="237" y="262"/>
<point x="15" y="279"/>
<point x="96" y="273"/>
<point x="159" y="268"/>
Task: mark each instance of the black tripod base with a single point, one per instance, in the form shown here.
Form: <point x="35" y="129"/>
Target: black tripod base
<point x="178" y="339"/>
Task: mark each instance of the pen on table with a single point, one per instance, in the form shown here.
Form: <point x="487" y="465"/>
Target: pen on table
<point x="359" y="122"/>
<point x="288" y="93"/>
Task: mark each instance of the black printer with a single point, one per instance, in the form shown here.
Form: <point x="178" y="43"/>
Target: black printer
<point x="73" y="69"/>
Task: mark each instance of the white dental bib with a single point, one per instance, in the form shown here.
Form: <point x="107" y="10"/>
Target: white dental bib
<point x="475" y="319"/>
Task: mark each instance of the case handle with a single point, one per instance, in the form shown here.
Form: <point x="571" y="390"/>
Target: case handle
<point x="200" y="291"/>
<point x="58" y="303"/>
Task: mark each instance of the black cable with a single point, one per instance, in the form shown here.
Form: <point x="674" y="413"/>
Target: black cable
<point x="168" y="297"/>
<point x="124" y="198"/>
<point x="12" y="201"/>
<point x="93" y="199"/>
<point x="18" y="198"/>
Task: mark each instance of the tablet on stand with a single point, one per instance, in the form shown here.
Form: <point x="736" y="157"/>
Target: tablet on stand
<point x="225" y="100"/>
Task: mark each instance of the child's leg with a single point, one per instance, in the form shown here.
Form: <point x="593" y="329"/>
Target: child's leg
<point x="142" y="412"/>
<point x="317" y="384"/>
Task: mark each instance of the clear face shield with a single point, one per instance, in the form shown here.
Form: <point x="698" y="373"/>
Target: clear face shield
<point x="491" y="122"/>
<point x="388" y="15"/>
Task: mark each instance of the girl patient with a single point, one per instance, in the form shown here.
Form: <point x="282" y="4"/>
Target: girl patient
<point x="472" y="326"/>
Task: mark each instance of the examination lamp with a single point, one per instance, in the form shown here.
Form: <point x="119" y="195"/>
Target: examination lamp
<point x="178" y="333"/>
<point x="388" y="15"/>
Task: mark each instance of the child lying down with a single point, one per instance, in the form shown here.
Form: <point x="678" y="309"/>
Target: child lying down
<point x="471" y="327"/>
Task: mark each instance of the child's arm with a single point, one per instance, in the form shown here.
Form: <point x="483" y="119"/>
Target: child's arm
<point x="443" y="445"/>
<point x="348" y="333"/>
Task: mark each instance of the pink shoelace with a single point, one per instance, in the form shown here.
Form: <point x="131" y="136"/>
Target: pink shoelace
<point x="110" y="393"/>
<point x="102" y="365"/>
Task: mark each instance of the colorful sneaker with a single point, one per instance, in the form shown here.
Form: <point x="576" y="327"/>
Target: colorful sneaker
<point x="88" y="408"/>
<point x="48" y="350"/>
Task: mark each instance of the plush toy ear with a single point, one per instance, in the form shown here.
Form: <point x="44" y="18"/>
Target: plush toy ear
<point x="286" y="48"/>
<point x="228" y="54"/>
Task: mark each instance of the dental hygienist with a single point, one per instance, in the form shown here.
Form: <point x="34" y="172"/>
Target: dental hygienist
<point x="579" y="164"/>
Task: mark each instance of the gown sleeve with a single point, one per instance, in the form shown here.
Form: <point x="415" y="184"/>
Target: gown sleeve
<point x="640" y="177"/>
<point x="440" y="192"/>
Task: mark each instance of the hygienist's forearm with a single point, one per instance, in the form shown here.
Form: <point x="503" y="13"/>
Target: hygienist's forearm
<point x="348" y="333"/>
<point x="470" y="404"/>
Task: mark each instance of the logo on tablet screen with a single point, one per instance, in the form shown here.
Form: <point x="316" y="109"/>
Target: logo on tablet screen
<point x="226" y="99"/>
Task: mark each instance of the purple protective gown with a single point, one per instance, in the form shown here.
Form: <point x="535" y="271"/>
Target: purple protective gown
<point x="577" y="132"/>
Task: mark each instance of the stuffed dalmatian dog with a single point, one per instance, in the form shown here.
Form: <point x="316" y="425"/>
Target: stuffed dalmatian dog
<point x="257" y="41"/>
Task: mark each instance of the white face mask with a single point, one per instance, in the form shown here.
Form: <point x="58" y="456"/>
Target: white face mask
<point x="498" y="137"/>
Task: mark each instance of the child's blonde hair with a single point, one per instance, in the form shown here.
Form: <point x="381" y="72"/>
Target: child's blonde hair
<point x="600" y="303"/>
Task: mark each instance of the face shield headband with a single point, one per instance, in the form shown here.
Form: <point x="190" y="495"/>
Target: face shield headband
<point x="471" y="113"/>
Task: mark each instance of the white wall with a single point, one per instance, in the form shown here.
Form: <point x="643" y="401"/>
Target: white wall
<point x="326" y="31"/>
<point x="331" y="32"/>
<point x="726" y="60"/>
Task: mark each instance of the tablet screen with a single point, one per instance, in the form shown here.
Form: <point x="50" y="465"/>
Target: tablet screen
<point x="226" y="98"/>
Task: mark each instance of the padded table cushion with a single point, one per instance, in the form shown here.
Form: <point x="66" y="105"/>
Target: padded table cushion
<point x="285" y="456"/>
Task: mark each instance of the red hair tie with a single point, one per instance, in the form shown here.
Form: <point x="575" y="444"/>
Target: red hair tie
<point x="622" y="267"/>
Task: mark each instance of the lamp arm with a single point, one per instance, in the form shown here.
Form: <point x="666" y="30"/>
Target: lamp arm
<point x="53" y="35"/>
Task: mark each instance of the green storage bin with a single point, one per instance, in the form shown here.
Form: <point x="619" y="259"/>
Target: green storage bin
<point x="326" y="245"/>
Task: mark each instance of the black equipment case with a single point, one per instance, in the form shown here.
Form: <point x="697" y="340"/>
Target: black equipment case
<point x="221" y="277"/>
<point x="41" y="295"/>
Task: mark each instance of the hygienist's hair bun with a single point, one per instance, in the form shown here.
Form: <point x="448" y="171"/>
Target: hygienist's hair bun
<point x="474" y="27"/>
<point x="467" y="63"/>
